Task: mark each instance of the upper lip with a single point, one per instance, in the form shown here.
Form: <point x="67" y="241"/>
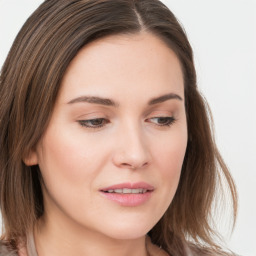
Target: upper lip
<point x="129" y="185"/>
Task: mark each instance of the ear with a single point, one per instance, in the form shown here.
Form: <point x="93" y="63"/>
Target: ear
<point x="31" y="158"/>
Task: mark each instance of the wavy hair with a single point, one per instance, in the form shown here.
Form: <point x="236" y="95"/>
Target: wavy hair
<point x="29" y="84"/>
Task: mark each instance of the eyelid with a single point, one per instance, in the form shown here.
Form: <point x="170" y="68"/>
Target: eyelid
<point x="168" y="120"/>
<point x="86" y="122"/>
<point x="91" y="115"/>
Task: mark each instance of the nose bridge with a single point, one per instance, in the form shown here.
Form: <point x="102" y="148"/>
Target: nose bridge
<point x="131" y="146"/>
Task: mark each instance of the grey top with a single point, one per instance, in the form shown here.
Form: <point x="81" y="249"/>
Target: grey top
<point x="153" y="250"/>
<point x="4" y="251"/>
<point x="31" y="249"/>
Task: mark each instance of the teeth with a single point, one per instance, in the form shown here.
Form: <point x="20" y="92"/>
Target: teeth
<point x="137" y="191"/>
<point x="128" y="191"/>
<point x="118" y="190"/>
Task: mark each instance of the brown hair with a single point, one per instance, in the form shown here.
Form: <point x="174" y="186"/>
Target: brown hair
<point x="29" y="84"/>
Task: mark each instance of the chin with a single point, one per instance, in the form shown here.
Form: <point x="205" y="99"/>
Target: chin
<point x="128" y="230"/>
<point x="124" y="235"/>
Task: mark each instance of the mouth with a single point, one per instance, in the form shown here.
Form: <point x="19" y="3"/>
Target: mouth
<point x="127" y="191"/>
<point x="129" y="188"/>
<point x="128" y="194"/>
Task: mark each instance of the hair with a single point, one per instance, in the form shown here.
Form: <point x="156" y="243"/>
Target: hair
<point x="30" y="80"/>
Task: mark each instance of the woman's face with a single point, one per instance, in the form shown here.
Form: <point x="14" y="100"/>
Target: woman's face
<point x="112" y="153"/>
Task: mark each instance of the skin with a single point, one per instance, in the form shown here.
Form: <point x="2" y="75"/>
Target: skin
<point x="131" y="145"/>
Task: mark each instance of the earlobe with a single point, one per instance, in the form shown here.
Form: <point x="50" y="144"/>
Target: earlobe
<point x="31" y="158"/>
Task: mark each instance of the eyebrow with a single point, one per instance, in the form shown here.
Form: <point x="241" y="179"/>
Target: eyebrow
<point x="109" y="102"/>
<point x="94" y="100"/>
<point x="163" y="98"/>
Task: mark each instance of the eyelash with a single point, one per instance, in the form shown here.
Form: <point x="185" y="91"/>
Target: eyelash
<point x="86" y="123"/>
<point x="101" y="122"/>
<point x="168" y="120"/>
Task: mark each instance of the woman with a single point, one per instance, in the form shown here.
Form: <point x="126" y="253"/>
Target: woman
<point x="106" y="145"/>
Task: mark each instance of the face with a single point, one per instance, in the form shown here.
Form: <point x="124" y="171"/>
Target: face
<point x="112" y="153"/>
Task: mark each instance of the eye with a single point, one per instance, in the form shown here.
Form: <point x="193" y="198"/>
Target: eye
<point x="93" y="123"/>
<point x="162" y="120"/>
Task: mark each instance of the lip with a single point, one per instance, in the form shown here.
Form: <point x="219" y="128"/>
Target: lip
<point x="143" y="185"/>
<point x="129" y="200"/>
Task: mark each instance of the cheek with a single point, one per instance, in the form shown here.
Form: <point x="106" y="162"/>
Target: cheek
<point x="67" y="155"/>
<point x="172" y="159"/>
<point x="170" y="153"/>
<point x="169" y="158"/>
<point x="68" y="169"/>
<point x="170" y="164"/>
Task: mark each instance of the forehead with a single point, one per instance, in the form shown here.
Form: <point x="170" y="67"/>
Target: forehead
<point x="123" y="64"/>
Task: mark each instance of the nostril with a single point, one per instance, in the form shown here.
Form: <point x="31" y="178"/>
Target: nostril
<point x="129" y="166"/>
<point x="145" y="164"/>
<point x="134" y="166"/>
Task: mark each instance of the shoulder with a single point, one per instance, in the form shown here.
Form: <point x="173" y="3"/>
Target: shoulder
<point x="206" y="251"/>
<point x="5" y="251"/>
<point x="190" y="250"/>
<point x="152" y="249"/>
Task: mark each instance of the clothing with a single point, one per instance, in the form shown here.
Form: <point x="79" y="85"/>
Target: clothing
<point x="4" y="251"/>
<point x="152" y="249"/>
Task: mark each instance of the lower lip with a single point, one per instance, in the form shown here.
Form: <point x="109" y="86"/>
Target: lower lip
<point x="128" y="199"/>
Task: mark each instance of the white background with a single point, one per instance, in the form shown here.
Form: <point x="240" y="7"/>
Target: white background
<point x="223" y="35"/>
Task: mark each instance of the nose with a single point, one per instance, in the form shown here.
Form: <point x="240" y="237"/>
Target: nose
<point x="131" y="149"/>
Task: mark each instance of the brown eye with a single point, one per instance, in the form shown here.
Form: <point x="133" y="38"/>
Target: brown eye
<point x="162" y="121"/>
<point x="93" y="123"/>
